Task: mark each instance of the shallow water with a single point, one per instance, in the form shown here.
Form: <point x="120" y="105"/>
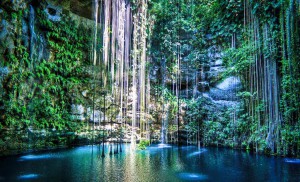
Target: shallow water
<point x="157" y="163"/>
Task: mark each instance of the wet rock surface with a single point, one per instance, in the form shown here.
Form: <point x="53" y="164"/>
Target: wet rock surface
<point x="82" y="8"/>
<point x="53" y="12"/>
<point x="226" y="89"/>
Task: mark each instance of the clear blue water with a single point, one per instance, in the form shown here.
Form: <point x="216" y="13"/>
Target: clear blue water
<point x="157" y="163"/>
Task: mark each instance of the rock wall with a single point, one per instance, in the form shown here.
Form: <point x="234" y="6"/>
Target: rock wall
<point x="208" y="98"/>
<point x="36" y="89"/>
<point x="206" y="79"/>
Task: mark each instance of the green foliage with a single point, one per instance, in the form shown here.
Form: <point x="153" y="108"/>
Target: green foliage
<point x="166" y="96"/>
<point x="238" y="60"/>
<point x="260" y="41"/>
<point x="191" y="128"/>
<point x="39" y="93"/>
<point x="195" y="110"/>
<point x="290" y="139"/>
<point x="265" y="9"/>
<point x="219" y="19"/>
<point x="143" y="144"/>
<point x="173" y="26"/>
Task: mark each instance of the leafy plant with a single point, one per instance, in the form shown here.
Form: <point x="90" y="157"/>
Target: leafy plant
<point x="143" y="144"/>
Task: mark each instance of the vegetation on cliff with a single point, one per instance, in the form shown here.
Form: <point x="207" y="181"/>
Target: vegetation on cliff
<point x="152" y="71"/>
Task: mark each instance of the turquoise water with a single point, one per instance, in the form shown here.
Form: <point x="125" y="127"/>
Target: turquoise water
<point x="157" y="163"/>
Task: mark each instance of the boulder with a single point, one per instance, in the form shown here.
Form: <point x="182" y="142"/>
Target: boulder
<point x="226" y="89"/>
<point x="229" y="83"/>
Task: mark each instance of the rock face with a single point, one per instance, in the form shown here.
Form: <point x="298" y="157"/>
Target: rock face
<point x="81" y="8"/>
<point x="200" y="74"/>
<point x="6" y="37"/>
<point x="14" y="5"/>
<point x="21" y="28"/>
<point x="223" y="93"/>
<point x="207" y="78"/>
<point x="226" y="89"/>
<point x="53" y="12"/>
<point x="216" y="67"/>
<point x="78" y="112"/>
<point x="95" y="116"/>
<point x="3" y="72"/>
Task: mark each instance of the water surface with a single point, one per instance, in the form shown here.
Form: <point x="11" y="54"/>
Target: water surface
<point x="157" y="163"/>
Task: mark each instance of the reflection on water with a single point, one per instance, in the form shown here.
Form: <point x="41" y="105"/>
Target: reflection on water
<point x="28" y="176"/>
<point x="294" y="161"/>
<point x="197" y="152"/>
<point x="157" y="163"/>
<point x="36" y="157"/>
<point x="192" y="176"/>
<point x="162" y="145"/>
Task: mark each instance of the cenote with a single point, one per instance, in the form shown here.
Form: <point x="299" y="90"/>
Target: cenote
<point x="156" y="163"/>
<point x="155" y="78"/>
